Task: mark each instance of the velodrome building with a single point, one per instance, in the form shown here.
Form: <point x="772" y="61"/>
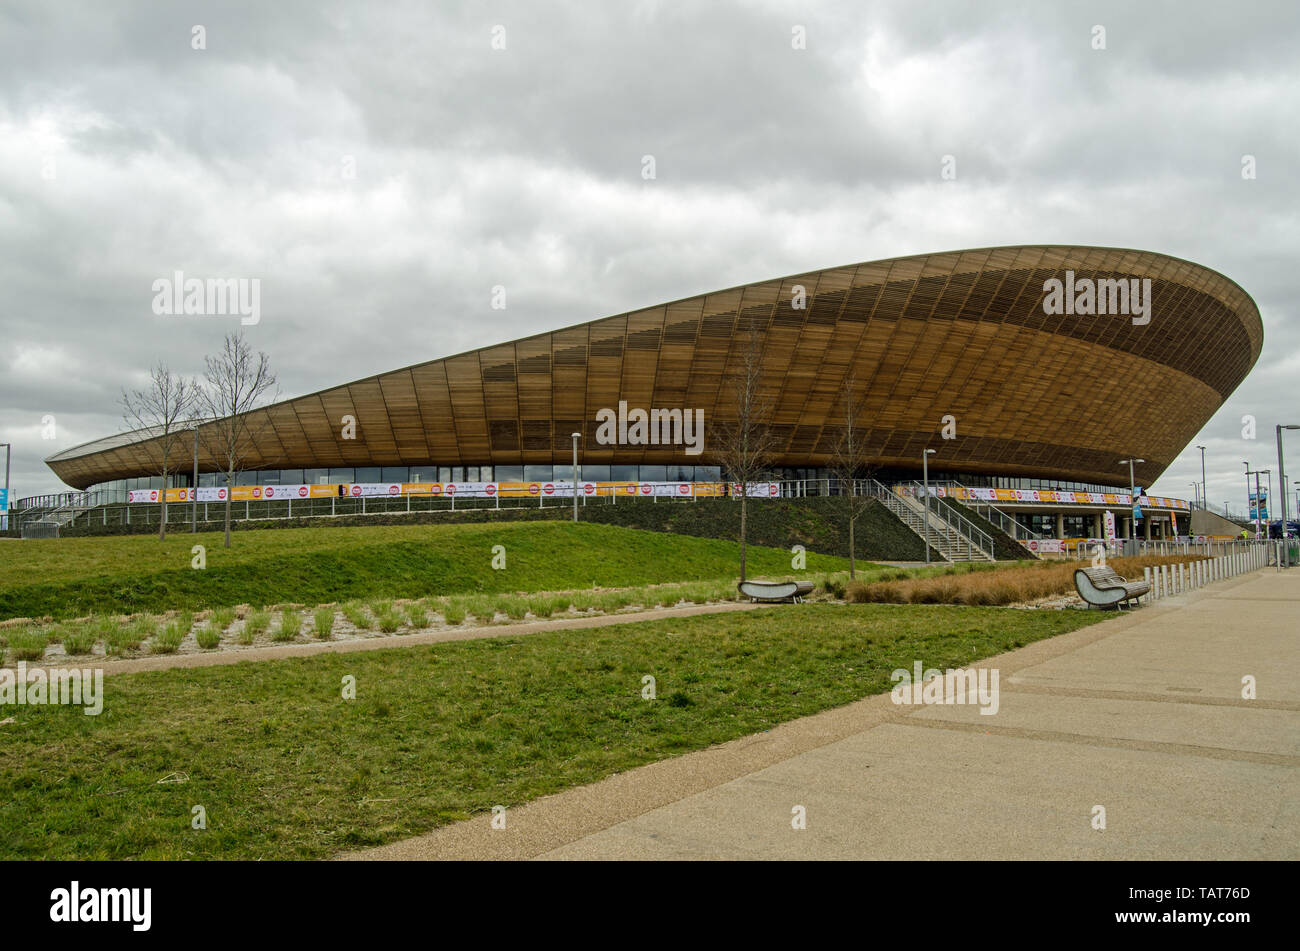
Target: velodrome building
<point x="1031" y="371"/>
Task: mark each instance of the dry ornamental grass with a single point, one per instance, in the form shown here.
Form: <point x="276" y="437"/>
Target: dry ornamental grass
<point x="995" y="586"/>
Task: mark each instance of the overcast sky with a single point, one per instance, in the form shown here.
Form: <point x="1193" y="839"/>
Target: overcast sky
<point x="379" y="167"/>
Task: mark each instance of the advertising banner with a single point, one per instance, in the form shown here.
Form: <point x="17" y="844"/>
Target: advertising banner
<point x="281" y="492"/>
<point x="1076" y="498"/>
<point x="1045" y="545"/>
<point x="759" y="490"/>
<point x="471" y="490"/>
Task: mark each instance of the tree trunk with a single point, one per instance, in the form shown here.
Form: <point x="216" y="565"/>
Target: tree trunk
<point x="162" y="526"/>
<point x="852" y="557"/>
<point x="744" y="512"/>
<point x="228" y="494"/>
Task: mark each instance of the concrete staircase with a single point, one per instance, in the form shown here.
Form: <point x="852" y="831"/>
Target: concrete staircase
<point x="952" y="536"/>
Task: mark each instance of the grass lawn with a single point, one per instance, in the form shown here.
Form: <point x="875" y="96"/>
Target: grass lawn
<point x="287" y="769"/>
<point x="71" y="577"/>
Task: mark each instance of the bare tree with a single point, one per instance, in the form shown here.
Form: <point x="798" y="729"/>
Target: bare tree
<point x="851" y="461"/>
<point x="236" y="381"/>
<point x="164" y="407"/>
<point x="746" y="446"/>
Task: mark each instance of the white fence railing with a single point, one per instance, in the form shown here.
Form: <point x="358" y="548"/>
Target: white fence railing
<point x="1167" y="581"/>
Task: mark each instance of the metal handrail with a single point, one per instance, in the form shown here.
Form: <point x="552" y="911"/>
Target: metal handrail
<point x="964" y="527"/>
<point x="1003" y="521"/>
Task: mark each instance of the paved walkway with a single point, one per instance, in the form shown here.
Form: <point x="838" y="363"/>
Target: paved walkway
<point x="1142" y="715"/>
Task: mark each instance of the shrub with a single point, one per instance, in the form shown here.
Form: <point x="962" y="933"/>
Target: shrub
<point x="356" y="614"/>
<point x="169" y="638"/>
<point x="257" y="622"/>
<point x="323" y="621"/>
<point x="388" y="619"/>
<point x="121" y="638"/>
<point x="541" y="607"/>
<point x="514" y="608"/>
<point x="78" y="640"/>
<point x="209" y="635"/>
<point x="290" y="625"/>
<point x="27" y="645"/>
<point x="221" y="619"/>
<point x="417" y="614"/>
<point x="453" y="612"/>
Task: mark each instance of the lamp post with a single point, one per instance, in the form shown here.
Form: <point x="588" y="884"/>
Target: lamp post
<point x="1281" y="479"/>
<point x="1132" y="497"/>
<point x="576" y="437"/>
<point x="1196" y="493"/>
<point x="925" y="481"/>
<point x="1249" y="507"/>
<point x="1205" y="491"/>
<point x="9" y="451"/>
<point x="1259" y="497"/>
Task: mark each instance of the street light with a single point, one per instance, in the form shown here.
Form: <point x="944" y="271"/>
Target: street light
<point x="1259" y="497"/>
<point x="1196" y="492"/>
<point x="1205" y="492"/>
<point x="1281" y="480"/>
<point x="1132" y="496"/>
<point x="925" y="480"/>
<point x="576" y="437"/>
<point x="9" y="451"/>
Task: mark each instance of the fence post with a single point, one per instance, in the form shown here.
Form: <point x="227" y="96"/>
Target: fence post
<point x="1146" y="576"/>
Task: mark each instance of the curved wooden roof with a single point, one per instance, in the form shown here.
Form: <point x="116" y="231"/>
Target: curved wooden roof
<point x="959" y="333"/>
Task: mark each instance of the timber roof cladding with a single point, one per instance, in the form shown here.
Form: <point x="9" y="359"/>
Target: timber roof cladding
<point x="961" y="333"/>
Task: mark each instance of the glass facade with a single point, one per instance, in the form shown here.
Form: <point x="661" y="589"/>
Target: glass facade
<point x="563" y="472"/>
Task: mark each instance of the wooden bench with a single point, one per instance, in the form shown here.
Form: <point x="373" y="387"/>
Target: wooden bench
<point x="775" y="590"/>
<point x="1103" y="587"/>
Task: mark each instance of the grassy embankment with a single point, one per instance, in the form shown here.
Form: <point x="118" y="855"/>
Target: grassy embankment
<point x="73" y="577"/>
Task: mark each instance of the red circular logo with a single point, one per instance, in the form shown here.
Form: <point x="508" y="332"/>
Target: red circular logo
<point x="532" y="488"/>
<point x="646" y="488"/>
<point x="773" y="489"/>
<point x="588" y="488"/>
<point x="451" y="488"/>
<point x="356" y="490"/>
<point x="153" y="496"/>
<point x="490" y="489"/>
<point x="436" y="489"/>
<point x="394" y="490"/>
<point x="684" y="489"/>
<point x="302" y="491"/>
<point x="221" y="493"/>
<point x="549" y="489"/>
